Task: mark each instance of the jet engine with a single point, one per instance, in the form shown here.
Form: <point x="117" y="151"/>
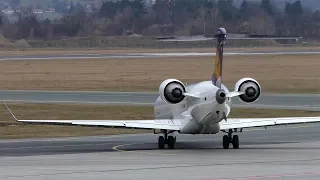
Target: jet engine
<point x="172" y="91"/>
<point x="251" y="89"/>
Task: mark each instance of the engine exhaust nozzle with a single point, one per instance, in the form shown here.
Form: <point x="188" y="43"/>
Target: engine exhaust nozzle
<point x="221" y="96"/>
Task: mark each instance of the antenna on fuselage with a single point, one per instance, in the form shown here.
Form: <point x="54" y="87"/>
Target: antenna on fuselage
<point x="221" y="37"/>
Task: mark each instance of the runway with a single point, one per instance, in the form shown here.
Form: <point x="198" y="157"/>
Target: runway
<point x="148" y="55"/>
<point x="278" y="101"/>
<point x="276" y="153"/>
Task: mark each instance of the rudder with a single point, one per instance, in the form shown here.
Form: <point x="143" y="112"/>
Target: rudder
<point x="217" y="74"/>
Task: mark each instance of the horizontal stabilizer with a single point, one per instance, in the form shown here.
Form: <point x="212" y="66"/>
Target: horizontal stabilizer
<point x="230" y="36"/>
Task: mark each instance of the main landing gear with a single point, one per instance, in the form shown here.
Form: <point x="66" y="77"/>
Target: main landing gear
<point x="163" y="140"/>
<point x="227" y="139"/>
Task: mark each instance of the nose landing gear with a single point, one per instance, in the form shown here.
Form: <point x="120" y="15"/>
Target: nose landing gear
<point x="227" y="139"/>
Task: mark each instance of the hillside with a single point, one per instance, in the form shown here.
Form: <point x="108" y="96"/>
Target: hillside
<point x="47" y="3"/>
<point x="312" y="4"/>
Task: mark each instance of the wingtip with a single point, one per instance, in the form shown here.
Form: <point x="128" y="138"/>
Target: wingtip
<point x="14" y="117"/>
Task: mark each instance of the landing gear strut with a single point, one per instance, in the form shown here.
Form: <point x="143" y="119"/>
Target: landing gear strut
<point x="163" y="140"/>
<point x="227" y="139"/>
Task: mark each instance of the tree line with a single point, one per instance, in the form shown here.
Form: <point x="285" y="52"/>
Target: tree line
<point x="167" y="17"/>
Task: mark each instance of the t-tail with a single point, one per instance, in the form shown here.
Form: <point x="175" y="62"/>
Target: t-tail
<point x="221" y="37"/>
<point x="217" y="74"/>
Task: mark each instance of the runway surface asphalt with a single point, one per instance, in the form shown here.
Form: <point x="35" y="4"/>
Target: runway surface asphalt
<point x="276" y="153"/>
<point x="278" y="101"/>
<point x="147" y="55"/>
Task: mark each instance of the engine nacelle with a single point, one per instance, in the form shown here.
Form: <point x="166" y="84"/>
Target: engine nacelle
<point x="251" y="89"/>
<point x="172" y="91"/>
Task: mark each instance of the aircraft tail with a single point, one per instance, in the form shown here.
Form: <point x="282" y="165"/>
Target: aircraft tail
<point x="221" y="37"/>
<point x="217" y="74"/>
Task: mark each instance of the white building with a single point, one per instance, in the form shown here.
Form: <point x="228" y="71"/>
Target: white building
<point x="50" y="10"/>
<point x="37" y="11"/>
<point x="8" y="11"/>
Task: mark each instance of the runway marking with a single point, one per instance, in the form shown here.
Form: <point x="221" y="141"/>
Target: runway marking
<point x="268" y="176"/>
<point x="137" y="151"/>
<point x="144" y="152"/>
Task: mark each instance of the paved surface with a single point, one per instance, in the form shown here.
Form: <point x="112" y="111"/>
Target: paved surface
<point x="281" y="153"/>
<point x="147" y="55"/>
<point x="289" y="101"/>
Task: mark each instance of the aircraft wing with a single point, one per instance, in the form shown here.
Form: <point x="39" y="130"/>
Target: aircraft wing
<point x="165" y="124"/>
<point x="263" y="122"/>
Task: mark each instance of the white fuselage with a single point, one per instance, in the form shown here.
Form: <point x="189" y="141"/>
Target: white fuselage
<point x="196" y="115"/>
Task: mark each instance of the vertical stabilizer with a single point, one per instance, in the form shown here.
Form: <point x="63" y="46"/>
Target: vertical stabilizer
<point x="217" y="74"/>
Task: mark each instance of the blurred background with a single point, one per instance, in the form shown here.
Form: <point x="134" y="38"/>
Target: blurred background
<point x="133" y="23"/>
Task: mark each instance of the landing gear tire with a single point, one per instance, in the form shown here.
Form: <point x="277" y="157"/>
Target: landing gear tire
<point x="171" y="142"/>
<point x="165" y="139"/>
<point x="227" y="139"/>
<point x="235" y="141"/>
<point x="226" y="142"/>
<point x="161" y="142"/>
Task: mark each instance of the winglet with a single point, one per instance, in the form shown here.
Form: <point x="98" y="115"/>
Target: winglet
<point x="14" y="117"/>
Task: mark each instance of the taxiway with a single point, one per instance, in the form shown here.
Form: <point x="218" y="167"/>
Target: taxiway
<point x="276" y="153"/>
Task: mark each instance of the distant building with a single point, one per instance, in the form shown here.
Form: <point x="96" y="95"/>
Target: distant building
<point x="8" y="11"/>
<point x="149" y="2"/>
<point x="37" y="11"/>
<point x="50" y="10"/>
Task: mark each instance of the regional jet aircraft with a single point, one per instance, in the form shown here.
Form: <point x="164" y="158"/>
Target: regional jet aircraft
<point x="201" y="108"/>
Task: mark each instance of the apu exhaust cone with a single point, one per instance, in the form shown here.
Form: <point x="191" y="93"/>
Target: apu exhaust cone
<point x="221" y="96"/>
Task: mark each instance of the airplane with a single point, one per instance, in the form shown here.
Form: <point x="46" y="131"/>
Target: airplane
<point x="200" y="108"/>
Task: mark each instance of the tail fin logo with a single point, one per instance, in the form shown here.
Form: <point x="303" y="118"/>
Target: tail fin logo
<point x="218" y="71"/>
<point x="217" y="75"/>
